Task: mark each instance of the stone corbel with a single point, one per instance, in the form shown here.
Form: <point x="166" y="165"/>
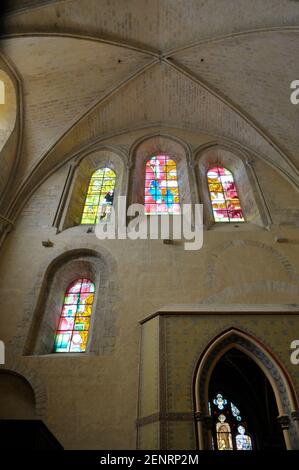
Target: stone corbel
<point x="6" y="225"/>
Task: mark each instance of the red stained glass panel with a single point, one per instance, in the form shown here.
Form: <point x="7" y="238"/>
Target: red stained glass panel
<point x="224" y="196"/>
<point x="74" y="322"/>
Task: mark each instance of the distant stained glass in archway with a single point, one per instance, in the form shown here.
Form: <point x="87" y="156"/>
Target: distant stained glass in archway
<point x="223" y="433"/>
<point x="243" y="441"/>
<point x="229" y="427"/>
<point x="224" y="196"/>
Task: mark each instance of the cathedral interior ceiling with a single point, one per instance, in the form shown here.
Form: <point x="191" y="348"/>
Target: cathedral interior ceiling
<point x="88" y="73"/>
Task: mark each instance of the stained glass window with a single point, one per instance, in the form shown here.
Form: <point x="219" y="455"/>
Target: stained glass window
<point x="229" y="429"/>
<point x="99" y="198"/>
<point x="243" y="441"/>
<point x="235" y="412"/>
<point x="223" y="433"/>
<point x="220" y="401"/>
<point x="161" y="186"/>
<point x="74" y="321"/>
<point x="224" y="196"/>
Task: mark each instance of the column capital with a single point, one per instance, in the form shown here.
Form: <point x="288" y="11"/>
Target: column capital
<point x="284" y="421"/>
<point x="199" y="416"/>
<point x="202" y="417"/>
<point x="6" y="225"/>
<point x="250" y="161"/>
<point x="74" y="163"/>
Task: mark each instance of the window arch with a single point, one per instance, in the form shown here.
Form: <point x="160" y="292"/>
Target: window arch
<point x="99" y="198"/>
<point x="74" y="321"/>
<point x="229" y="426"/>
<point x="224" y="197"/>
<point x="161" y="191"/>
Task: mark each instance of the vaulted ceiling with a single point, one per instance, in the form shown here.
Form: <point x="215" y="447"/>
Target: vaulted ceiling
<point x="91" y="68"/>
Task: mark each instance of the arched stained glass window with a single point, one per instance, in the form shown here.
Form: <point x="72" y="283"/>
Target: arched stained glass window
<point x="74" y="321"/>
<point x="224" y="196"/>
<point x="243" y="441"/>
<point x="99" y="198"/>
<point x="229" y="426"/>
<point x="161" y="194"/>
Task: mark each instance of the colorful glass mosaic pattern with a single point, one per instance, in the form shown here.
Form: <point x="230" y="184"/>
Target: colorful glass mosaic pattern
<point x="224" y="196"/>
<point x="235" y="412"/>
<point x="74" y="321"/>
<point x="99" y="197"/>
<point x="220" y="401"/>
<point x="161" y="186"/>
<point x="243" y="441"/>
<point x="224" y="435"/>
<point x="229" y="430"/>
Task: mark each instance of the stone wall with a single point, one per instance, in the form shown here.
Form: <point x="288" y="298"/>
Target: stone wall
<point x="90" y="400"/>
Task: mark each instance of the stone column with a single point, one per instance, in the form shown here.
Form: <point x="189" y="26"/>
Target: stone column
<point x="64" y="199"/>
<point x="6" y="226"/>
<point x="264" y="209"/>
<point x="284" y="422"/>
<point x="204" y="428"/>
<point x="295" y="418"/>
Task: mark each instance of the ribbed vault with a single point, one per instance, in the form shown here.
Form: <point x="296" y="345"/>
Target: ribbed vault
<point x="94" y="68"/>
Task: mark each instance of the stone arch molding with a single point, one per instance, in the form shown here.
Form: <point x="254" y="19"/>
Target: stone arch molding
<point x="95" y="258"/>
<point x="283" y="388"/>
<point x="37" y="385"/>
<point x="220" y="249"/>
<point x="159" y="142"/>
<point x="149" y="84"/>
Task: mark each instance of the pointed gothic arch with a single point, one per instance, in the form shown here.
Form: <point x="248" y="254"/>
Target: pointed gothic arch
<point x="281" y="383"/>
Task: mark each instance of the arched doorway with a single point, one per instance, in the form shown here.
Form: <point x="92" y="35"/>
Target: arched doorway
<point x="255" y="387"/>
<point x="242" y="401"/>
<point x="17" y="398"/>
